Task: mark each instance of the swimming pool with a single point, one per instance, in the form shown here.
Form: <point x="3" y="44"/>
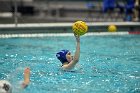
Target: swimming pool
<point x="108" y="64"/>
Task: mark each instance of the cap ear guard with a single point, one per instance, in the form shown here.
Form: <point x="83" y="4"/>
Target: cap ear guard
<point x="5" y="87"/>
<point x="62" y="56"/>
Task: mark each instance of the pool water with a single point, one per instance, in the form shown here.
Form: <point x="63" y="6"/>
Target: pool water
<point x="108" y="64"/>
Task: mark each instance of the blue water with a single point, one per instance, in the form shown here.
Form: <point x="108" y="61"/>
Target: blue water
<point x="108" y="64"/>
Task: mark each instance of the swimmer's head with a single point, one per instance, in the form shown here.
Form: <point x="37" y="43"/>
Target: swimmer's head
<point x="5" y="87"/>
<point x="61" y="55"/>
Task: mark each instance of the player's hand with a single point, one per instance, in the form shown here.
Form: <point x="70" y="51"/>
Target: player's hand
<point x="77" y="37"/>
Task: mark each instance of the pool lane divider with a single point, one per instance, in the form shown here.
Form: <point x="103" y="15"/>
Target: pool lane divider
<point x="67" y="34"/>
<point x="62" y="34"/>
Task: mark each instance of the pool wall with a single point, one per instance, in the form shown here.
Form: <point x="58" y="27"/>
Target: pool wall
<point x="65" y="27"/>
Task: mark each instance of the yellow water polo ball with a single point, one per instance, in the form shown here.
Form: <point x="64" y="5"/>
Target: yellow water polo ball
<point x="79" y="28"/>
<point x="112" y="28"/>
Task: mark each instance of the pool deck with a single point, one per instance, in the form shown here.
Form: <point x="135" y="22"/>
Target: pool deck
<point x="30" y="28"/>
<point x="51" y="25"/>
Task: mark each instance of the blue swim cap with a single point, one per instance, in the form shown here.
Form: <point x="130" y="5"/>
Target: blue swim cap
<point x="62" y="55"/>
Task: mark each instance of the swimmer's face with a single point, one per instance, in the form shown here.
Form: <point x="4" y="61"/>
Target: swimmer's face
<point x="69" y="57"/>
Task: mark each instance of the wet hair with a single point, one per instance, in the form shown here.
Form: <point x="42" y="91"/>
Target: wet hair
<point x="61" y="55"/>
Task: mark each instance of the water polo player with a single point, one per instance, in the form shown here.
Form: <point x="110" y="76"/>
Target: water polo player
<point x="6" y="87"/>
<point x="68" y="61"/>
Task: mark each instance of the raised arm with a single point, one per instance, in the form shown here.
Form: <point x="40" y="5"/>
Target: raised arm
<point x="76" y="55"/>
<point x="26" y="78"/>
<point x="77" y="52"/>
